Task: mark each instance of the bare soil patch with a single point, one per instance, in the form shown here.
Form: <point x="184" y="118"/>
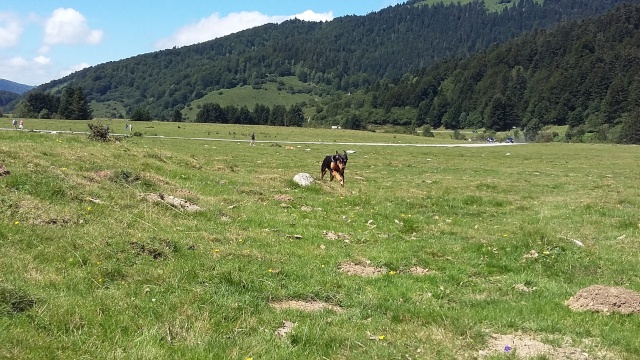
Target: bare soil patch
<point x="173" y="201"/>
<point x="528" y="346"/>
<point x="283" y="197"/>
<point x="602" y="298"/>
<point x="365" y="270"/>
<point x="305" y="305"/>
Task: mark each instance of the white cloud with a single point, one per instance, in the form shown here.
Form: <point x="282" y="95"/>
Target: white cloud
<point x="30" y="72"/>
<point x="10" y="30"/>
<point x="68" y="26"/>
<point x="73" y="68"/>
<point x="215" y="26"/>
<point x="42" y="60"/>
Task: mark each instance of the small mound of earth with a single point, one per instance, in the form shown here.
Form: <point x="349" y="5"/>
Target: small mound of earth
<point x="173" y="201"/>
<point x="283" y="197"/>
<point x="305" y="305"/>
<point x="602" y="298"/>
<point x="4" y="171"/>
<point x="528" y="347"/>
<point x="361" y="270"/>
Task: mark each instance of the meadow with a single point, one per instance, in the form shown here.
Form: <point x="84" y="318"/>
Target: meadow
<point x="458" y="245"/>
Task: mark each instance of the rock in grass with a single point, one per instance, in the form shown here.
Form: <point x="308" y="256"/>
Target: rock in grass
<point x="303" y="179"/>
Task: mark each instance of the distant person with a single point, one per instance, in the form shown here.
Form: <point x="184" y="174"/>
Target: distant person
<point x="130" y="127"/>
<point x="21" y="126"/>
<point x="15" y="123"/>
<point x="126" y="127"/>
<point x="253" y="139"/>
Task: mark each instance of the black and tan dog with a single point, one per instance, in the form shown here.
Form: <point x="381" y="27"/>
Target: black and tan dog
<point x="335" y="164"/>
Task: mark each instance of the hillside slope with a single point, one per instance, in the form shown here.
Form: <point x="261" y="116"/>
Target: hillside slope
<point x="14" y="87"/>
<point x="347" y="53"/>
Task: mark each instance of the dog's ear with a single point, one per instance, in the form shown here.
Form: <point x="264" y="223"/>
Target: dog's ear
<point x="345" y="154"/>
<point x="337" y="153"/>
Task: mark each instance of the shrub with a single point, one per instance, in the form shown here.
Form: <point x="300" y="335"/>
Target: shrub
<point x="98" y="131"/>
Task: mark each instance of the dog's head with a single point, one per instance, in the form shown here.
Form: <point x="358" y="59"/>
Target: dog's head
<point x="340" y="160"/>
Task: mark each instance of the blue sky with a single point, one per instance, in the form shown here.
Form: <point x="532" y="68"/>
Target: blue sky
<point x="43" y="40"/>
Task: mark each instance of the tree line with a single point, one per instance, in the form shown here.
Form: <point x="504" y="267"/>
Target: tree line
<point x="278" y="115"/>
<point x="71" y="104"/>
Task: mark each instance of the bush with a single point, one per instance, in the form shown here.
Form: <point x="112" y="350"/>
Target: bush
<point x="98" y="131"/>
<point x="426" y="131"/>
<point x="457" y="135"/>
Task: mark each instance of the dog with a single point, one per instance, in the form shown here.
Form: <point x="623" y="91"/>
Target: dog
<point x="335" y="164"/>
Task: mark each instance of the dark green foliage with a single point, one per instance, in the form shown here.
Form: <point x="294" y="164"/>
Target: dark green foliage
<point x="74" y="105"/>
<point x="354" y="122"/>
<point x="630" y="128"/>
<point x="7" y="97"/>
<point x="176" y="116"/>
<point x="501" y="115"/>
<point x="140" y="114"/>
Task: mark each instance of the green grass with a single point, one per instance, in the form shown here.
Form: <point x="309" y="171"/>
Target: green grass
<point x="90" y="268"/>
<point x="248" y="96"/>
<point x="234" y="132"/>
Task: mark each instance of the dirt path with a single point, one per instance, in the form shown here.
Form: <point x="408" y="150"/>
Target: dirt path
<point x="470" y="144"/>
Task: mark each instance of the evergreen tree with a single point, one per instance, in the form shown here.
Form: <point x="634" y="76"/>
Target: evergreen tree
<point x="176" y="115"/>
<point x="81" y="108"/>
<point x="295" y="116"/>
<point x="501" y="115"/>
<point x="210" y="113"/>
<point x="614" y="103"/>
<point x="140" y="114"/>
<point x="278" y="115"/>
<point x="630" y="128"/>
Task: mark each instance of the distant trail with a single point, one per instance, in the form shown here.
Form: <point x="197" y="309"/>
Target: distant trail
<point x="284" y="142"/>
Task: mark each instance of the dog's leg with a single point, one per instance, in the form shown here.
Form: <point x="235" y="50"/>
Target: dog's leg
<point x="339" y="177"/>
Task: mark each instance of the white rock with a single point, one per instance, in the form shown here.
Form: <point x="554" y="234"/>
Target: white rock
<point x="303" y="179"/>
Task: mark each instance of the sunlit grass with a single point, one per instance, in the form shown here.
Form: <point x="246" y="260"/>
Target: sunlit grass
<point x="115" y="275"/>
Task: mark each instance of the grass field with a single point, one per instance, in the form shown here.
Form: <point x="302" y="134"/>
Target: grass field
<point x="92" y="267"/>
<point x="232" y="132"/>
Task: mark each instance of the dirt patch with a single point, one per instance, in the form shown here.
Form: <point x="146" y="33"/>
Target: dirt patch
<point x="283" y="197"/>
<point x="366" y="269"/>
<point x="528" y="347"/>
<point x="602" y="298"/>
<point x="103" y="174"/>
<point x="417" y="270"/>
<point x="305" y="305"/>
<point x="333" y="236"/>
<point x="4" y="171"/>
<point x="173" y="201"/>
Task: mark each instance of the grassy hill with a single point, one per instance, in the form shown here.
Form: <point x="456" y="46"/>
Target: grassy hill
<point x="285" y="91"/>
<point x="465" y="250"/>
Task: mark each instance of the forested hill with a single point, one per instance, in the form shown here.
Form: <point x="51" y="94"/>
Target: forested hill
<point x="347" y="53"/>
<point x="14" y="87"/>
<point x="585" y="74"/>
